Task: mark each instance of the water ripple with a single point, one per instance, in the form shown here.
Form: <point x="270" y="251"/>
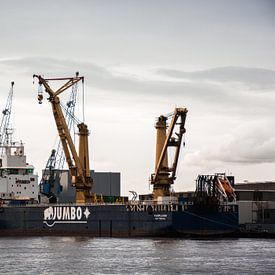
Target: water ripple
<point x="71" y="255"/>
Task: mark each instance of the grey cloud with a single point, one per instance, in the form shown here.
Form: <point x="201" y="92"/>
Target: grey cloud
<point x="255" y="78"/>
<point x="49" y="66"/>
<point x="249" y="151"/>
<point x="252" y="145"/>
<point x="220" y="99"/>
<point x="102" y="78"/>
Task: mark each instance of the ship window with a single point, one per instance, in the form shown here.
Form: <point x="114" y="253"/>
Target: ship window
<point x="266" y="215"/>
<point x="29" y="171"/>
<point x="25" y="187"/>
<point x="3" y="195"/>
<point x="257" y="196"/>
<point x="32" y="179"/>
<point x="13" y="171"/>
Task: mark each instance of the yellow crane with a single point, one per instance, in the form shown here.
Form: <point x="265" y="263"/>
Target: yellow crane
<point x="164" y="176"/>
<point x="78" y="164"/>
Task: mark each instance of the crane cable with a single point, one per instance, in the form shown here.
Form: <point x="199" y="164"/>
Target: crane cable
<point x="83" y="101"/>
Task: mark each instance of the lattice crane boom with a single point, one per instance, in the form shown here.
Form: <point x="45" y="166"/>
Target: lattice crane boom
<point x="69" y="114"/>
<point x="5" y="122"/>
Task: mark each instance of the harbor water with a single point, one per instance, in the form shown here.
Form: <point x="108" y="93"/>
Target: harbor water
<point x="77" y="255"/>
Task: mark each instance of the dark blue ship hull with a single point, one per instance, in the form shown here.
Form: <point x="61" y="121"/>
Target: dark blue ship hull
<point x="117" y="220"/>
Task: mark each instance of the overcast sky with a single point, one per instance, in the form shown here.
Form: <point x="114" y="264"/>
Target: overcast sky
<point x="140" y="59"/>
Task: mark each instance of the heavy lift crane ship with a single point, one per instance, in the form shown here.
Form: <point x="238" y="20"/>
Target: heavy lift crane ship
<point x="78" y="163"/>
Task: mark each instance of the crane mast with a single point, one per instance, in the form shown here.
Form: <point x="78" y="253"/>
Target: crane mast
<point x="164" y="176"/>
<point x="78" y="163"/>
<point x="5" y="122"/>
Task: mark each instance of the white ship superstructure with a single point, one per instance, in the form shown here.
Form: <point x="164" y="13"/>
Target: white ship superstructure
<point x="17" y="178"/>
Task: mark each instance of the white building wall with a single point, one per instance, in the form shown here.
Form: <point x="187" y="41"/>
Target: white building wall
<point x="245" y="212"/>
<point x="3" y="185"/>
<point x="248" y="210"/>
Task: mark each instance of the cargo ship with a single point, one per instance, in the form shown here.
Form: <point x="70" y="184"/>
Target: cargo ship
<point x="21" y="214"/>
<point x="24" y="211"/>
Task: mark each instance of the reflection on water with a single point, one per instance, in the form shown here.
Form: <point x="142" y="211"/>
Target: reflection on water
<point x="81" y="255"/>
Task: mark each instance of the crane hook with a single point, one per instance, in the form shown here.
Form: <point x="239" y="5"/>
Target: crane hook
<point x="40" y="98"/>
<point x="40" y="94"/>
<point x="40" y="89"/>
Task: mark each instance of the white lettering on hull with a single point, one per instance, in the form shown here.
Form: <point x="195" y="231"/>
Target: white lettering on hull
<point x="65" y="214"/>
<point x="160" y="217"/>
<point x="153" y="208"/>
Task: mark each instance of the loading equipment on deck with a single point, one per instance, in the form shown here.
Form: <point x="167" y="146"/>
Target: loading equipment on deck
<point x="213" y="190"/>
<point x="78" y="163"/>
<point x="50" y="185"/>
<point x="164" y="176"/>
